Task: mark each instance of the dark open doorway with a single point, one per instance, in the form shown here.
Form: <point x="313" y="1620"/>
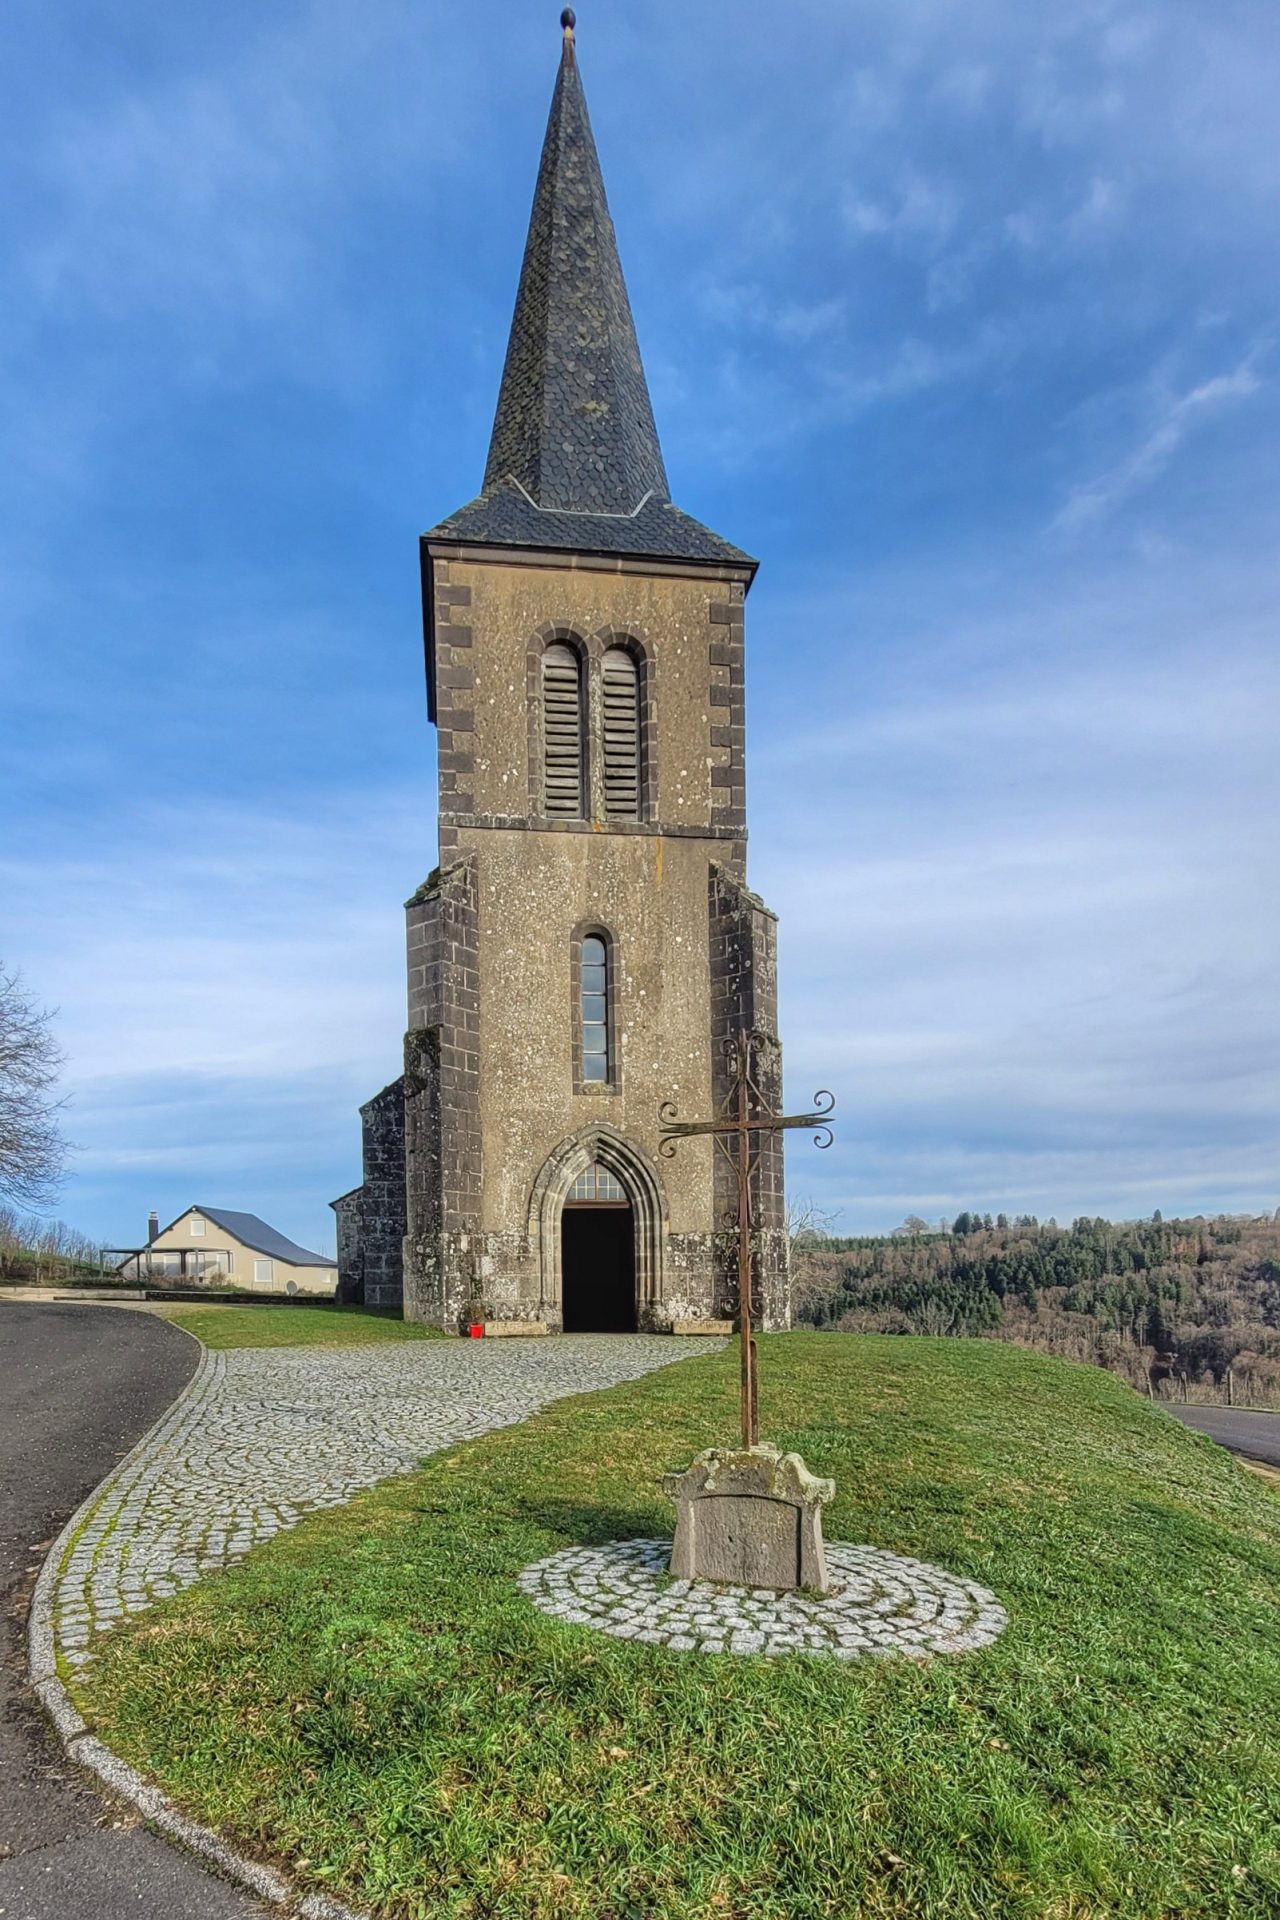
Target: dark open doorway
<point x="598" y="1269"/>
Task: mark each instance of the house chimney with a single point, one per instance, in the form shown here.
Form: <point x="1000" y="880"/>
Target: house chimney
<point x="153" y="1227"/>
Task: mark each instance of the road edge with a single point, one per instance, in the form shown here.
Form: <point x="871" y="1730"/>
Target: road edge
<point x="87" y="1751"/>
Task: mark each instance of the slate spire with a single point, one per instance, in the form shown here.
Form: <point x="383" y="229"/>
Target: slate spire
<point x="574" y="426"/>
<point x="574" y="463"/>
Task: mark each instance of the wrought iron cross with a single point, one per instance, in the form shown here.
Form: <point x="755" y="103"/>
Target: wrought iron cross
<point x="745" y="1115"/>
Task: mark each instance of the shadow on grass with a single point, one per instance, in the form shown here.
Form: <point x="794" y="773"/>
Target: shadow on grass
<point x="577" y="1522"/>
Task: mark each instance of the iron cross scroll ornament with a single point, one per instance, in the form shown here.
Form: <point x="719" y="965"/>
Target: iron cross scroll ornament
<point x="744" y="1116"/>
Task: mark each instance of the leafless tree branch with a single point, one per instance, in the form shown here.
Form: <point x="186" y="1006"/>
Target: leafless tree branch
<point x="32" y="1150"/>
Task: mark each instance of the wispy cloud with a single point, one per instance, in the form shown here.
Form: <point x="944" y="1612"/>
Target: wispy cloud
<point x="916" y="206"/>
<point x="1174" y="417"/>
<point x="1025" y="928"/>
<point x="218" y="968"/>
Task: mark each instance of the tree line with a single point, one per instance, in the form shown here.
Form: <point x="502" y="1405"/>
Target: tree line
<point x="1168" y="1303"/>
<point x="37" y="1252"/>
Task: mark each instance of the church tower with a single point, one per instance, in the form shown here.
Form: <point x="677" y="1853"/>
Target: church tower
<point x="587" y="942"/>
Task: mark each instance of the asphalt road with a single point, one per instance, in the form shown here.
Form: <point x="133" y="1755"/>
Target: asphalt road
<point x="78" y="1386"/>
<point x="1254" y="1434"/>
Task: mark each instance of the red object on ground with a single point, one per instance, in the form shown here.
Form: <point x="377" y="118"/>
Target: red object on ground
<point x="476" y="1332"/>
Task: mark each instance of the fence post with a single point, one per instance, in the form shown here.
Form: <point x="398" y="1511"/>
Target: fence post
<point x="1230" y="1394"/>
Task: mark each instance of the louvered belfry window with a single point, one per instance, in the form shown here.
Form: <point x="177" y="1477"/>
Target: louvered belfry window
<point x="562" y="733"/>
<point x="621" y="687"/>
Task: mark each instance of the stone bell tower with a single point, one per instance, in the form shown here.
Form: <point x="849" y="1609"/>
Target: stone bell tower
<point x="587" y="941"/>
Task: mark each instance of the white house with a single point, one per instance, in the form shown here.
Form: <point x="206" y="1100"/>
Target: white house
<point x="215" y="1247"/>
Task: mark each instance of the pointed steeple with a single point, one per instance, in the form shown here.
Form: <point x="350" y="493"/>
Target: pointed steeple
<point x="574" y="462"/>
<point x="574" y="426"/>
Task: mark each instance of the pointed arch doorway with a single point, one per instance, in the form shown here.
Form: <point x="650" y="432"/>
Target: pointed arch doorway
<point x="598" y="1219"/>
<point x="597" y="1255"/>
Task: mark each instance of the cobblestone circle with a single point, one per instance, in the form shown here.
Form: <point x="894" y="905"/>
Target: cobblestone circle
<point x="263" y="1436"/>
<point x="881" y="1603"/>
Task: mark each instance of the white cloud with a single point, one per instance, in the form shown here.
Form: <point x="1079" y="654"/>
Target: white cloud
<point x="915" y="206"/>
<point x="215" y="204"/>
<point x="230" y="984"/>
<point x="1027" y="928"/>
<point x="1174" y="417"/>
<point x="219" y="943"/>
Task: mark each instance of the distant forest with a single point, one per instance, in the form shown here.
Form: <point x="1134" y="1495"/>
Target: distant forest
<point x="1181" y="1308"/>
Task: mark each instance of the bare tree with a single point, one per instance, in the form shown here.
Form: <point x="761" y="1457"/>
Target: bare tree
<point x="32" y="1150"/>
<point x="808" y="1227"/>
<point x="807" y="1222"/>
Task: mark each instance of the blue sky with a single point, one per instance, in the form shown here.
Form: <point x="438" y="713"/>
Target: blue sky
<point x="962" y="317"/>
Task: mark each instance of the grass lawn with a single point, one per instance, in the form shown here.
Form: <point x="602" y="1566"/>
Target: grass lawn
<point x="370" y="1699"/>
<point x="321" y="1325"/>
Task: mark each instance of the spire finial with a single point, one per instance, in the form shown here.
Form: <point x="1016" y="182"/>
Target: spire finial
<point x="568" y="20"/>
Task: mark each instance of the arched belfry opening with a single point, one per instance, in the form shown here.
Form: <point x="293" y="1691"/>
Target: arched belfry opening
<point x="597" y="1219"/>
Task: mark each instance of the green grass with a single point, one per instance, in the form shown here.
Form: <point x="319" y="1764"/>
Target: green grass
<point x="322" y="1325"/>
<point x="370" y="1699"/>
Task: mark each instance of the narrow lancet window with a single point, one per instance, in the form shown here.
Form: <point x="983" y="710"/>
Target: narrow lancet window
<point x="595" y="1010"/>
<point x="621" y="686"/>
<point x="562" y="733"/>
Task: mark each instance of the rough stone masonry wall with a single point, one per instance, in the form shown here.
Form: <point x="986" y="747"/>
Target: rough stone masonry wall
<point x="744" y="996"/>
<point x="382" y="1219"/>
<point x="541" y="881"/>
<point x="350" y="1289"/>
<point x="491" y="937"/>
<point x="442" y="1077"/>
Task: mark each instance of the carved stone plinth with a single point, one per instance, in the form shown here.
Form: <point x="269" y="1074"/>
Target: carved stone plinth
<point x="750" y="1517"/>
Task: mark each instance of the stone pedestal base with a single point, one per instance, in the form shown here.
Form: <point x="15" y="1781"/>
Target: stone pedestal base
<point x="750" y="1517"/>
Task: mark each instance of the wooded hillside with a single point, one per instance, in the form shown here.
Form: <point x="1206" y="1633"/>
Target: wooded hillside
<point x="1154" y="1300"/>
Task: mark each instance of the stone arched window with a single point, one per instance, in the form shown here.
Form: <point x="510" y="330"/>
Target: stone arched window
<point x="620" y="702"/>
<point x="563" y="768"/>
<point x="595" y="1011"/>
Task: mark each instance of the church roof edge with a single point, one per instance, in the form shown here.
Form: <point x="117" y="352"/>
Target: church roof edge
<point x="656" y="529"/>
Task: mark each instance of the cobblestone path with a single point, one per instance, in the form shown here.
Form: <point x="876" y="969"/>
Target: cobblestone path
<point x="265" y="1435"/>
<point x="879" y="1603"/>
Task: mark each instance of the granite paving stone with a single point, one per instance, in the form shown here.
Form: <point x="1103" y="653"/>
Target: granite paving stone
<point x="266" y="1435"/>
<point x="880" y="1603"/>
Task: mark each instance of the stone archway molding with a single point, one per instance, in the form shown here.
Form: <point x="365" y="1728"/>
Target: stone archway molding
<point x="639" y="1180"/>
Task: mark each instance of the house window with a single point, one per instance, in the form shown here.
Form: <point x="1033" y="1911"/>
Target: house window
<point x="562" y="765"/>
<point x="594" y="1010"/>
<point x="262" y="1273"/>
<point x="197" y="1227"/>
<point x="621" y="703"/>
